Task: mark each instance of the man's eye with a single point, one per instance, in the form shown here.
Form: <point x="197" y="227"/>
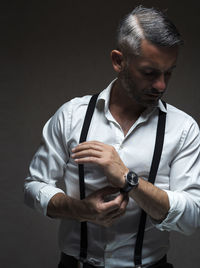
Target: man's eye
<point x="146" y="72"/>
<point x="149" y="74"/>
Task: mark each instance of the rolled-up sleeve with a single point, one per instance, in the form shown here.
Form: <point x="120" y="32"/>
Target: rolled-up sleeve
<point x="184" y="190"/>
<point x="48" y="164"/>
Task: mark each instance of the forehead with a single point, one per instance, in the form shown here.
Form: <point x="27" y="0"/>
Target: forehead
<point x="153" y="56"/>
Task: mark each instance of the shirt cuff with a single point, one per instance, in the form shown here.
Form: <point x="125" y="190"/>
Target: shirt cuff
<point x="177" y="204"/>
<point x="44" y="196"/>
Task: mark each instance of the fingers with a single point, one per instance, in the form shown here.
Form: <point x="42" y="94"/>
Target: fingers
<point x="113" y="203"/>
<point x="88" y="152"/>
<point x="108" y="202"/>
<point x="94" y="145"/>
<point x="122" y="201"/>
<point x="115" y="214"/>
<point x="117" y="205"/>
<point x="103" y="155"/>
<point x="105" y="213"/>
<point x="86" y="156"/>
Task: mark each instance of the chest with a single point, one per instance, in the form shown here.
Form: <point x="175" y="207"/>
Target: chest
<point x="134" y="141"/>
<point x="125" y="121"/>
<point x="135" y="150"/>
<point x="125" y="124"/>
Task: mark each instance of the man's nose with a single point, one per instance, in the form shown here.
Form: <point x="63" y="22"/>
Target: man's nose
<point x="160" y="83"/>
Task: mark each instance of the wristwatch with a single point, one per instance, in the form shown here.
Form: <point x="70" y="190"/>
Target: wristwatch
<point x="131" y="182"/>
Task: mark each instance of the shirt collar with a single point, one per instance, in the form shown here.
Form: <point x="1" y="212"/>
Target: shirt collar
<point x="105" y="96"/>
<point x="162" y="107"/>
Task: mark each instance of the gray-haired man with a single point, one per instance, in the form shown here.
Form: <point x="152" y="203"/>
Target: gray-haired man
<point x="117" y="158"/>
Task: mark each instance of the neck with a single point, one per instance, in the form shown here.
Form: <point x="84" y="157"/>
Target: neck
<point x="122" y="104"/>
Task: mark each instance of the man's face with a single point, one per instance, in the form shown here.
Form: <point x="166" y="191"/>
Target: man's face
<point x="145" y="77"/>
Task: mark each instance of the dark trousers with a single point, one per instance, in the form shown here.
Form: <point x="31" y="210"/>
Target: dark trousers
<point x="70" y="262"/>
<point x="67" y="261"/>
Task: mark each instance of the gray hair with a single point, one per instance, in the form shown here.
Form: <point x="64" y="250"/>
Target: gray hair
<point x="149" y="24"/>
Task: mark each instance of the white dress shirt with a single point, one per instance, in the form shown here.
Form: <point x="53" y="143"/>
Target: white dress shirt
<point x="178" y="175"/>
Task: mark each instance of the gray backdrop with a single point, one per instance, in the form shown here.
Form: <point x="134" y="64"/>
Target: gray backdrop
<point x="53" y="51"/>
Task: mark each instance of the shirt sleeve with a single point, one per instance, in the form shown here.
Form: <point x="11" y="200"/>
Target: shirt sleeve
<point x="48" y="164"/>
<point x="184" y="192"/>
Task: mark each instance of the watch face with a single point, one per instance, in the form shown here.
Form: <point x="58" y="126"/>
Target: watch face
<point x="132" y="178"/>
<point x="131" y="182"/>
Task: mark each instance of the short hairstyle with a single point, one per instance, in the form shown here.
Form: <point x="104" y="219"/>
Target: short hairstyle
<point x="149" y="24"/>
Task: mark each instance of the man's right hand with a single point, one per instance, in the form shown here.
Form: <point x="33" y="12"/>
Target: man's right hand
<point x="94" y="208"/>
<point x="104" y="206"/>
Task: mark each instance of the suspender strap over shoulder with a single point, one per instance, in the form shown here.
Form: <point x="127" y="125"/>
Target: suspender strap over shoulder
<point x="84" y="132"/>
<point x="152" y="176"/>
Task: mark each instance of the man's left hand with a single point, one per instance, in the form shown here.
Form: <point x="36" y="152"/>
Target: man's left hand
<point x="105" y="156"/>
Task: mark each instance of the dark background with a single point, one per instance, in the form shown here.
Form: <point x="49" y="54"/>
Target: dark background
<point x="52" y="51"/>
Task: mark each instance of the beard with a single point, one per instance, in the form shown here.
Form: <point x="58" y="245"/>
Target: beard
<point x="143" y="97"/>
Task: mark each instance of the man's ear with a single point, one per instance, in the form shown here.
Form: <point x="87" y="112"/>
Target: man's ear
<point x="118" y="61"/>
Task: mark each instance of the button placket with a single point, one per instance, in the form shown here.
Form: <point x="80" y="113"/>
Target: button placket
<point x="119" y="139"/>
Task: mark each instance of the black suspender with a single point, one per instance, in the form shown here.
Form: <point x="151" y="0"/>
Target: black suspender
<point x="85" y="128"/>
<point x="152" y="175"/>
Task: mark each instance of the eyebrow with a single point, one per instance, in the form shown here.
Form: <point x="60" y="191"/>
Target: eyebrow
<point x="157" y="70"/>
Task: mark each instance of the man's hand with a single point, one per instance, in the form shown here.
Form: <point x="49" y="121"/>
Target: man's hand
<point x="94" y="208"/>
<point x="98" y="208"/>
<point x="151" y="199"/>
<point x="105" y="156"/>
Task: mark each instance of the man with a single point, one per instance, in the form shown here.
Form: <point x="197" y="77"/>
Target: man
<point x="119" y="148"/>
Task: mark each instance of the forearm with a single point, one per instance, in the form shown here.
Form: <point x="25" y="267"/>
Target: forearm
<point x="93" y="208"/>
<point x="151" y="199"/>
<point x="63" y="206"/>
